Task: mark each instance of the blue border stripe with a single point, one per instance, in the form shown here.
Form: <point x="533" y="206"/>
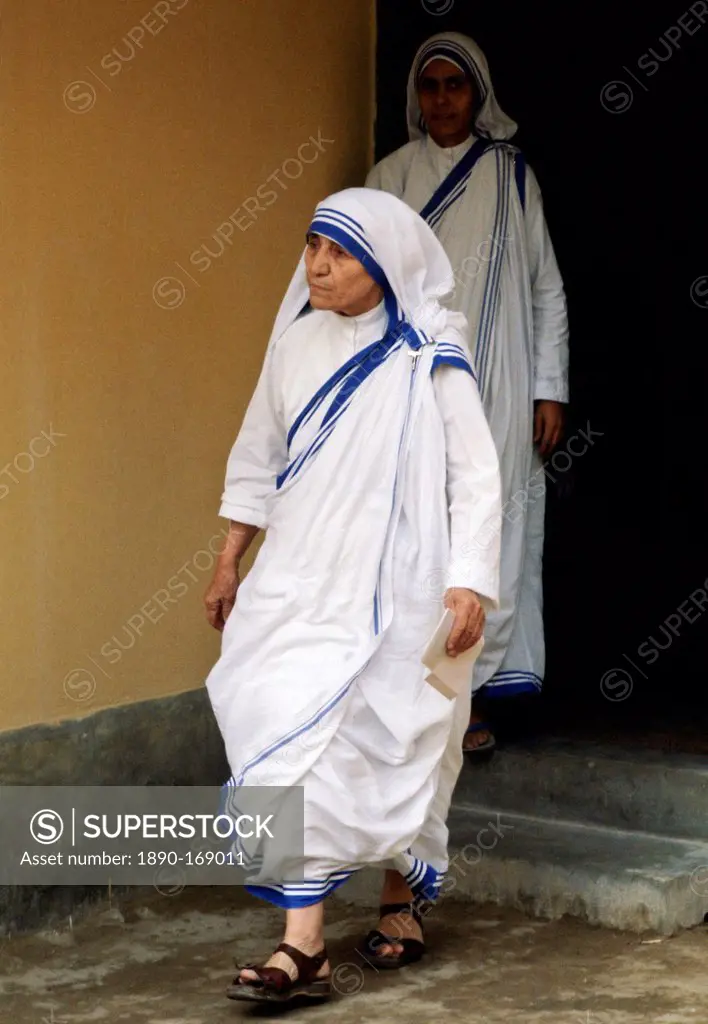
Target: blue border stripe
<point x="449" y="348"/>
<point x="510" y="682"/>
<point x="348" y="241"/>
<point x="318" y="398"/>
<point x="516" y="672"/>
<point x="304" y="457"/>
<point x="351" y="365"/>
<point x="456" y="361"/>
<point x="463" y="168"/>
<point x="424" y="880"/>
<point x="358" y="369"/>
<point x="456" y="193"/>
<point x="348" y="223"/>
<point x="367" y="364"/>
<point x="489" y="298"/>
<point x="452" y="350"/>
<point x="294" y="467"/>
<point x="493" y="690"/>
<point x="299" y="894"/>
<point x="311" y="886"/>
<point x="492" y="284"/>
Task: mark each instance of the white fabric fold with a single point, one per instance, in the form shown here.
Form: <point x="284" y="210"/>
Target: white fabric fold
<point x="320" y="681"/>
<point x="509" y="288"/>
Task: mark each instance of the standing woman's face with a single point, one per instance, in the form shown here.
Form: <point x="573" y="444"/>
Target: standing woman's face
<point x="337" y="280"/>
<point x="446" y="98"/>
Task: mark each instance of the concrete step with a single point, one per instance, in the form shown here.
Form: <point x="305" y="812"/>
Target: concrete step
<point x="628" y="788"/>
<point x="633" y="881"/>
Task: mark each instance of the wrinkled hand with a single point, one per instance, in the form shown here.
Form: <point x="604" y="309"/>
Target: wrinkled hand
<point x="221" y="595"/>
<point x="548" y="422"/>
<point x="468" y="624"/>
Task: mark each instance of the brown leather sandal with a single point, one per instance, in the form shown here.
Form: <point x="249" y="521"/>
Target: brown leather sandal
<point x="413" y="949"/>
<point x="274" y="985"/>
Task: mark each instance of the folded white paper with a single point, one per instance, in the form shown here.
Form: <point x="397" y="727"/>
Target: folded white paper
<point x="449" y="676"/>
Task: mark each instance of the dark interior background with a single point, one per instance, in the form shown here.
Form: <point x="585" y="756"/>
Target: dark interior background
<point x="625" y="198"/>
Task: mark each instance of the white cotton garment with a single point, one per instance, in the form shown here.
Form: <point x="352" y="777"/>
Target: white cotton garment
<point x="320" y="683"/>
<point x="508" y="286"/>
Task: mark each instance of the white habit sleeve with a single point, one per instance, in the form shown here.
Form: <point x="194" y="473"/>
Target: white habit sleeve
<point x="473" y="485"/>
<point x="258" y="455"/>
<point x="550" y="317"/>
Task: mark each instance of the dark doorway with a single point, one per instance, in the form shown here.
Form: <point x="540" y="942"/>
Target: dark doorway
<point x="611" y="103"/>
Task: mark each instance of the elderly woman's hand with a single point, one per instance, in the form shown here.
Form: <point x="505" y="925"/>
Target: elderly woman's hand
<point x="468" y="625"/>
<point x="221" y="594"/>
<point x="220" y="598"/>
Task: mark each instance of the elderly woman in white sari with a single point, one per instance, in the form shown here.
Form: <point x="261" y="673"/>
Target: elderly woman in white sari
<point x="475" y="190"/>
<point x="366" y="458"/>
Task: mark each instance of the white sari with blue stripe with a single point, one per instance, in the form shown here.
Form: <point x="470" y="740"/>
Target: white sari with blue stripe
<point x="484" y="205"/>
<point x="519" y="349"/>
<point x="343" y="456"/>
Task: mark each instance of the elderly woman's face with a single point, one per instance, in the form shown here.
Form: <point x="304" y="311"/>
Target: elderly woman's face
<point x="446" y="100"/>
<point x="337" y="280"/>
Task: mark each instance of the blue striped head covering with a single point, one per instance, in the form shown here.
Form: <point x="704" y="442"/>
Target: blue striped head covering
<point x="490" y="120"/>
<point x="397" y="249"/>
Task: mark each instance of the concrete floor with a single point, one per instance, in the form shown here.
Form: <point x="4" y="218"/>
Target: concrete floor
<point x="166" y="960"/>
